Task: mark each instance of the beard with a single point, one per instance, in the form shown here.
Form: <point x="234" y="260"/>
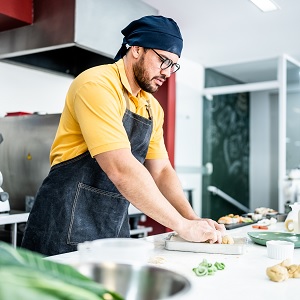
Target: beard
<point x="141" y="76"/>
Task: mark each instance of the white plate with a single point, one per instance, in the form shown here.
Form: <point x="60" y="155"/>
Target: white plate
<point x="175" y="243"/>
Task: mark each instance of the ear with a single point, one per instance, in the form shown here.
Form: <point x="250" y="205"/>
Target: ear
<point x="136" y="51"/>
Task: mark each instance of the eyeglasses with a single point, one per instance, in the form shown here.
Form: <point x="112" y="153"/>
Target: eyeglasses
<point x="167" y="63"/>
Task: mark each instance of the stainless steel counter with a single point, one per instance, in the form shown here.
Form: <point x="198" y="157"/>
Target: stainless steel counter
<point x="13" y="217"/>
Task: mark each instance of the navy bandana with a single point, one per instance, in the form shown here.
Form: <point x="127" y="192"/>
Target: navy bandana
<point x="156" y="32"/>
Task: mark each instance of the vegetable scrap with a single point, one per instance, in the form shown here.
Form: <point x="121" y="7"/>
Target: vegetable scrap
<point x="263" y="224"/>
<point x="206" y="268"/>
<point x="260" y="227"/>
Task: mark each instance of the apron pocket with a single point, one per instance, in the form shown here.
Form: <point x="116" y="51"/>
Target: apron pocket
<point x="97" y="214"/>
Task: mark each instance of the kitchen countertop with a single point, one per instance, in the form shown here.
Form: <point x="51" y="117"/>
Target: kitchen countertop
<point x="244" y="276"/>
<point x="13" y="217"/>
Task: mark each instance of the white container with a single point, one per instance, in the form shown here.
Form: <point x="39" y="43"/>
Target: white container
<point x="117" y="250"/>
<point x="299" y="221"/>
<point x="280" y="250"/>
<point x="291" y="223"/>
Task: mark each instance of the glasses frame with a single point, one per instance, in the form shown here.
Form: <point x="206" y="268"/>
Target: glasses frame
<point x="170" y="64"/>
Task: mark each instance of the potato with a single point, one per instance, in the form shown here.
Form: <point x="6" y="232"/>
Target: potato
<point x="277" y="273"/>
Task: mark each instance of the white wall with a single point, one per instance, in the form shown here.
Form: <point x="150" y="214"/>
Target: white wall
<point x="31" y="90"/>
<point x="188" y="134"/>
<point x="260" y="150"/>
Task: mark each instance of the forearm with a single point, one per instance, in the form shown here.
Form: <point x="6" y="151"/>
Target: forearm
<point x="136" y="184"/>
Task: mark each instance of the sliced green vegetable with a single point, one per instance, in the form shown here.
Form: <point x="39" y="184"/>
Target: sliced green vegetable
<point x="206" y="268"/>
<point x="220" y="265"/>
<point x="200" y="270"/>
<point x="211" y="270"/>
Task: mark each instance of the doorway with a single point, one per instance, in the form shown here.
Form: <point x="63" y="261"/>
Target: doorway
<point x="225" y="149"/>
<point x="256" y="173"/>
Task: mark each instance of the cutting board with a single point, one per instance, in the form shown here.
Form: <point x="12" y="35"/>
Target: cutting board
<point x="174" y="242"/>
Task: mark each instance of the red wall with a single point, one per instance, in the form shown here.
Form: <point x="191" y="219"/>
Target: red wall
<point x="166" y="95"/>
<point x="15" y="13"/>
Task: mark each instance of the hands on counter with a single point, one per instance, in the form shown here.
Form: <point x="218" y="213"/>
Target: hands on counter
<point x="203" y="230"/>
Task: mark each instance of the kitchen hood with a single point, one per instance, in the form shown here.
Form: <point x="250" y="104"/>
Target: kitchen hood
<point x="69" y="36"/>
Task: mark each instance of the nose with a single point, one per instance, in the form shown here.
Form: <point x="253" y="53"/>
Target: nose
<point x="166" y="72"/>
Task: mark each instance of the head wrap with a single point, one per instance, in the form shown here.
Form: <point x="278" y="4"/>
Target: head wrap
<point x="156" y="32"/>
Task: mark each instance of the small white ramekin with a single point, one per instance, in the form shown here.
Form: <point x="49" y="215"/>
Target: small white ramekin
<point x="280" y="249"/>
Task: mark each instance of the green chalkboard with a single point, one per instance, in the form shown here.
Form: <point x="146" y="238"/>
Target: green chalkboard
<point x="226" y="146"/>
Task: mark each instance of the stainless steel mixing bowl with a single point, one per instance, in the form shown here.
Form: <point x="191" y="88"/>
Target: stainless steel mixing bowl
<point x="137" y="282"/>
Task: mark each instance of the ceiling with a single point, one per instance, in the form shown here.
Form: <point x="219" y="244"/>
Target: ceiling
<point x="226" y="34"/>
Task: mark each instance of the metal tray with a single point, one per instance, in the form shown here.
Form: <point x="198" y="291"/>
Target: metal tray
<point x="237" y="225"/>
<point x="174" y="242"/>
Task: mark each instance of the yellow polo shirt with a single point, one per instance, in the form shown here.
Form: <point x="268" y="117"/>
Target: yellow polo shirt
<point x="92" y="117"/>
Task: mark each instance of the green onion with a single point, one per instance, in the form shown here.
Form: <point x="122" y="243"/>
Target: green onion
<point x="200" y="271"/>
<point x="220" y="265"/>
<point x="206" y="268"/>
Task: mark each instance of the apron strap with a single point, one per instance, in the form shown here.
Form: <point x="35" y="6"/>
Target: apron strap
<point x="149" y="110"/>
<point x="148" y="106"/>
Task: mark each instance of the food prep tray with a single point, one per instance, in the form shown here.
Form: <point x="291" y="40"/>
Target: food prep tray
<point x="237" y="225"/>
<point x="175" y="243"/>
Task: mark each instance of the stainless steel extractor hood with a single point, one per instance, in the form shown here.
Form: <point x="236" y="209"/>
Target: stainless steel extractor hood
<point x="69" y="36"/>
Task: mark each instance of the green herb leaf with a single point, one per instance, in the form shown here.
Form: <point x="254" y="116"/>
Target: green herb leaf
<point x="25" y="264"/>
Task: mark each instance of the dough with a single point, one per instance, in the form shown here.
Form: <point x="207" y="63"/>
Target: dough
<point x="227" y="239"/>
<point x="278" y="273"/>
<point x="283" y="271"/>
<point x="294" y="271"/>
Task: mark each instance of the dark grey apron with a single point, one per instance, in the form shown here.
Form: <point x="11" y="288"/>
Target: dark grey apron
<point x="77" y="202"/>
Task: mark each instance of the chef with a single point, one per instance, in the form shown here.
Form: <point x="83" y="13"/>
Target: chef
<point x="109" y="151"/>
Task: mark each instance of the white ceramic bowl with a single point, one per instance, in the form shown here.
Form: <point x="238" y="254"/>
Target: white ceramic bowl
<point x="120" y="250"/>
<point x="280" y="250"/>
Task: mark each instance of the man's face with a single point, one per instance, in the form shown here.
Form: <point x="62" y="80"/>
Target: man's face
<point x="147" y="71"/>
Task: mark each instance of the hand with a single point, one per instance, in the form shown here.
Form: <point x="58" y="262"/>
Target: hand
<point x="216" y="225"/>
<point x="202" y="230"/>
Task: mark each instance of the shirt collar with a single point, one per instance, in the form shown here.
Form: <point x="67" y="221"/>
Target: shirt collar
<point x="124" y="80"/>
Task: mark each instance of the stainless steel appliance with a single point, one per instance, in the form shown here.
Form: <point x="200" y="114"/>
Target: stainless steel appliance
<point x="24" y="154"/>
<point x="24" y="160"/>
<point x="4" y="196"/>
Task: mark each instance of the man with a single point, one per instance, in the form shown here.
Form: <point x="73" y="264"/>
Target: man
<point x="109" y="151"/>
